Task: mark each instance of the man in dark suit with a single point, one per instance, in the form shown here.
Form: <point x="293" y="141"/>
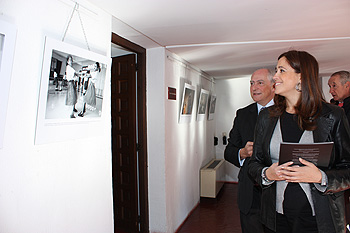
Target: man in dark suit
<point x="240" y="148"/>
<point x="339" y="87"/>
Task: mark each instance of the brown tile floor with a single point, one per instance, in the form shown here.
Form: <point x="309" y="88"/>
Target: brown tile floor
<point x="215" y="215"/>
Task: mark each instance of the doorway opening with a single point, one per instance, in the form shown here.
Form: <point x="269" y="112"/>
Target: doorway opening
<point x="129" y="136"/>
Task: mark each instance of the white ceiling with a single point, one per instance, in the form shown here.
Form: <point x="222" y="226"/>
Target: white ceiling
<point x="232" y="38"/>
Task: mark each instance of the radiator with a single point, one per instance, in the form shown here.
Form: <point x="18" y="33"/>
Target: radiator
<point x="212" y="178"/>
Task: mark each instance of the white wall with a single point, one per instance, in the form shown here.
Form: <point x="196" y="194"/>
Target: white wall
<point x="232" y="94"/>
<point x="325" y="88"/>
<point x="66" y="186"/>
<point x="62" y="186"/>
<point x="156" y="139"/>
<point x="176" y="151"/>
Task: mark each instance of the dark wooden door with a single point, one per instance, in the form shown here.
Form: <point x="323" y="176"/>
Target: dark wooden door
<point x="124" y="139"/>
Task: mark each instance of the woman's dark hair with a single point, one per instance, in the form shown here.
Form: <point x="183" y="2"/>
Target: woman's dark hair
<point x="98" y="66"/>
<point x="69" y="56"/>
<point x="309" y="104"/>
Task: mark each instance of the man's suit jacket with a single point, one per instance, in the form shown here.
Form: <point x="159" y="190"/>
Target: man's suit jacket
<point x="240" y="134"/>
<point x="346" y="107"/>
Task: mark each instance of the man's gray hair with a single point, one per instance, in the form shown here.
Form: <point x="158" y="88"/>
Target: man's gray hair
<point x="270" y="75"/>
<point x="344" y="76"/>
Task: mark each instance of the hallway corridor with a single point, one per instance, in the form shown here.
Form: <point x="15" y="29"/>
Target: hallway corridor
<point x="220" y="215"/>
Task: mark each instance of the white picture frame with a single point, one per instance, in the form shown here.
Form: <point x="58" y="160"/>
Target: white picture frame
<point x="55" y="120"/>
<point x="187" y="103"/>
<point x="211" y="107"/>
<point x="202" y="105"/>
<point x="8" y="34"/>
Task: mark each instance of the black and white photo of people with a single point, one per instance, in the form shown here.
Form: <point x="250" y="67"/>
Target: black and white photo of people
<point x="75" y="87"/>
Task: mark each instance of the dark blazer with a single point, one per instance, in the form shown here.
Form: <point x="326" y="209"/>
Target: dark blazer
<point x="332" y="125"/>
<point x="240" y="134"/>
<point x="346" y="107"/>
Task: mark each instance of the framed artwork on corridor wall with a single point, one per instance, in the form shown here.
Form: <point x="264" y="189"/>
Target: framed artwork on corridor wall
<point x="211" y="107"/>
<point x="8" y="33"/>
<point x="202" y="105"/>
<point x="71" y="97"/>
<point x="186" y="109"/>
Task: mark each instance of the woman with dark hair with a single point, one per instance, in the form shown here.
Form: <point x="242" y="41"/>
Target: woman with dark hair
<point x="301" y="198"/>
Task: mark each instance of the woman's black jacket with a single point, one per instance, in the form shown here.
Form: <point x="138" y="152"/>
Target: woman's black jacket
<point x="332" y="125"/>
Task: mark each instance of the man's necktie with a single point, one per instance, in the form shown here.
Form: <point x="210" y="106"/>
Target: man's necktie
<point x="261" y="109"/>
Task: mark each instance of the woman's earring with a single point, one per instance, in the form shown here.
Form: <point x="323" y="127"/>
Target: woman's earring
<point x="298" y="87"/>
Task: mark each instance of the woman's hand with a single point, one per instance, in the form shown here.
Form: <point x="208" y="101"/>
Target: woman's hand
<point x="308" y="173"/>
<point x="274" y="171"/>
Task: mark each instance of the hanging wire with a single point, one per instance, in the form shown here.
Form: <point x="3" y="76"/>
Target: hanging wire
<point x="82" y="26"/>
<point x="70" y="19"/>
<point x="76" y="8"/>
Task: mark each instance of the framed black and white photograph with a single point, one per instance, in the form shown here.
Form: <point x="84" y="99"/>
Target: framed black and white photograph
<point x="186" y="109"/>
<point x="202" y="105"/>
<point x="72" y="87"/>
<point x="211" y="107"/>
<point x="7" y="50"/>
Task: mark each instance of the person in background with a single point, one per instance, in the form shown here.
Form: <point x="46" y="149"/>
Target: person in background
<point x="301" y="198"/>
<point x="339" y="87"/>
<point x="90" y="95"/>
<point x="55" y="79"/>
<point x="71" y="77"/>
<point x="240" y="148"/>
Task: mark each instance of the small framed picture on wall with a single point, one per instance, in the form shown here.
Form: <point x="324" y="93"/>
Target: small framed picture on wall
<point x="202" y="105"/>
<point x="186" y="108"/>
<point x="211" y="107"/>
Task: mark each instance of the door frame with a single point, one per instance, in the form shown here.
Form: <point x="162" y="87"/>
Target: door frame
<point x="142" y="125"/>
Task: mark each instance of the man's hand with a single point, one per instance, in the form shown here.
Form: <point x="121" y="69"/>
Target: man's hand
<point x="247" y="151"/>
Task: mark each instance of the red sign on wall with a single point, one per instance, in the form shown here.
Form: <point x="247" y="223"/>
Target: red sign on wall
<point x="171" y="93"/>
